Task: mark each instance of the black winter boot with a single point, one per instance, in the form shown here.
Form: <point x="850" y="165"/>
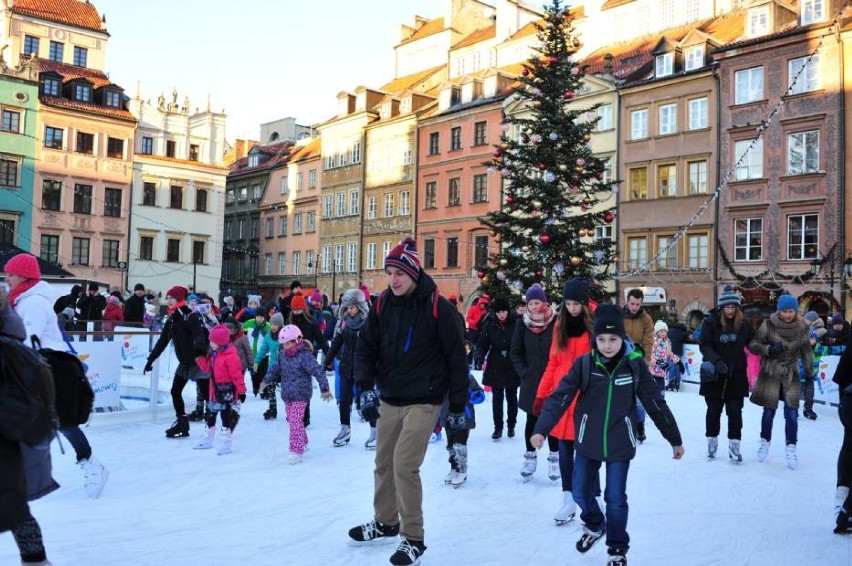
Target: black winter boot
<point x="179" y="428"/>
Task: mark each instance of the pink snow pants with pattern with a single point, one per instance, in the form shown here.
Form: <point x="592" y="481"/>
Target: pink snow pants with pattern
<point x="298" y="437"/>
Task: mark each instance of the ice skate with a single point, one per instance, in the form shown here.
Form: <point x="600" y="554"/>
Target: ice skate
<point x="370" y="444"/>
<point x="294" y="458"/>
<point x="373" y="531"/>
<point x="809" y="414"/>
<point x="617" y="557"/>
<point x="567" y="511"/>
<point x="196" y="415"/>
<point x="497" y="434"/>
<point x="842" y="521"/>
<point x="791" y="457"/>
<point x="553" y="466"/>
<point x="270" y="414"/>
<point x="95" y="476"/>
<point x="207" y="441"/>
<point x="342" y="438"/>
<point x="640" y="432"/>
<point x="408" y="553"/>
<point x="712" y="446"/>
<point x="460" y="472"/>
<point x="529" y="465"/>
<point x="588" y="540"/>
<point x="179" y="428"/>
<point x="225" y="447"/>
<point x="763" y="450"/>
<point x="734" y="451"/>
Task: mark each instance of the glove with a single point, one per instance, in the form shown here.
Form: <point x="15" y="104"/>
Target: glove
<point x="242" y="397"/>
<point x="721" y="367"/>
<point x="456" y="422"/>
<point x="477" y="396"/>
<point x="369" y="404"/>
<point x="776" y="348"/>
<point x="148" y="367"/>
<point x="537" y="405"/>
<point x="663" y="365"/>
<point x="326" y="395"/>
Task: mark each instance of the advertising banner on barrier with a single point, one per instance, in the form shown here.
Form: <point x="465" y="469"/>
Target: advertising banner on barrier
<point x="103" y="361"/>
<point x="691" y="362"/>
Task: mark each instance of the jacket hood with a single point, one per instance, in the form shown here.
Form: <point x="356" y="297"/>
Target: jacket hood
<point x="41" y="289"/>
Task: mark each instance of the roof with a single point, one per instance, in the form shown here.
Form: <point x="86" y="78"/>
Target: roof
<point x="410" y="82"/>
<point x="107" y="111"/>
<point x="790" y="29"/>
<point x="48" y="270"/>
<point x="72" y="72"/>
<point x="614" y="3"/>
<point x="429" y="28"/>
<point x="69" y="12"/>
<point x="312" y="149"/>
<point x="531" y="29"/>
<point x="181" y="161"/>
<point x="280" y="154"/>
<point x="477" y="36"/>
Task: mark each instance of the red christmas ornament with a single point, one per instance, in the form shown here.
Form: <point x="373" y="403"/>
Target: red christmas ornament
<point x="599" y="175"/>
<point x="542" y="166"/>
<point x="569" y="94"/>
<point x="584" y="208"/>
<point x="480" y="274"/>
<point x="525" y="72"/>
<point x="539" y="273"/>
<point x="510" y="199"/>
<point x="545" y="239"/>
<point x="609" y="217"/>
<point x="497" y="154"/>
<point x="552" y="60"/>
<point x="525" y="139"/>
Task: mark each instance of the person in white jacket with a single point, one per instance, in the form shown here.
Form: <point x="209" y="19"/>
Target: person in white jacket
<point x="33" y="299"/>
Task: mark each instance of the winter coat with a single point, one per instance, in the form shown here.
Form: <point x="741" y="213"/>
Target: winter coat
<point x="662" y="352"/>
<point x="255" y="333"/>
<point x="678" y="335"/>
<point x="294" y="370"/>
<point x="558" y="365"/>
<point x="34" y="308"/>
<point x="495" y="340"/>
<point x="311" y="332"/>
<point x="843" y="374"/>
<point x="837" y="337"/>
<point x="476" y="313"/>
<point x="268" y="348"/>
<point x="734" y="384"/>
<point x="241" y="343"/>
<point x="412" y="357"/>
<point x="779" y="374"/>
<point x="69" y="300"/>
<point x="226" y="367"/>
<point x="529" y="354"/>
<point x="91" y="307"/>
<point x="112" y="314"/>
<point x="475" y="392"/>
<point x="134" y="309"/>
<point x="606" y="409"/>
<point x="640" y="328"/>
<point x="189" y="337"/>
<point x="343" y="347"/>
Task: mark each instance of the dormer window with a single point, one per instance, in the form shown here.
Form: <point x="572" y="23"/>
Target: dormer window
<point x="253" y="160"/>
<point x="813" y="11"/>
<point x="385" y="111"/>
<point x="694" y="57"/>
<point x="83" y="92"/>
<point x="112" y="98"/>
<point x="758" y="21"/>
<point x="665" y="65"/>
<point x="50" y="86"/>
<point x="405" y="105"/>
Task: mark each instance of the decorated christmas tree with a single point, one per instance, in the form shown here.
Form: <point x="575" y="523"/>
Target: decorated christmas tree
<point x="555" y="195"/>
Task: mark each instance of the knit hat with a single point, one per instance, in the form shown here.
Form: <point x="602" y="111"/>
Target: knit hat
<point x="253" y="299"/>
<point x="660" y="325"/>
<point x="277" y="320"/>
<point x="500" y="304"/>
<point x="316" y="296"/>
<point x="295" y="285"/>
<point x="177" y="292"/>
<point x="811" y="316"/>
<point x="729" y="296"/>
<point x="220" y="335"/>
<point x="609" y="319"/>
<point x="453" y="299"/>
<point x="139" y="287"/>
<point x="576" y="290"/>
<point x="366" y="291"/>
<point x="23" y="265"/>
<point x="298" y="302"/>
<point x="289" y="332"/>
<point x="93" y="287"/>
<point x="113" y="300"/>
<point x="787" y="302"/>
<point x="405" y="257"/>
<point x="192" y="297"/>
<point x="536" y="293"/>
<point x="837" y="319"/>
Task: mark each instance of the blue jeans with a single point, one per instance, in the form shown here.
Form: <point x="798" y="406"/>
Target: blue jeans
<point x="615" y="495"/>
<point x="640" y="411"/>
<point x="78" y="441"/>
<point x="791" y="428"/>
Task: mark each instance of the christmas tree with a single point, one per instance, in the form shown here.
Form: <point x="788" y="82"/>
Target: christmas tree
<point x="554" y="191"/>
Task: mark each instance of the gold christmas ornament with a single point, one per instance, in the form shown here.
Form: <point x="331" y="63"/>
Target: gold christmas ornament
<point x="486" y="280"/>
<point x="582" y="232"/>
<point x="504" y="262"/>
<point x="576" y="260"/>
<point x="563" y="167"/>
<point x="587" y="138"/>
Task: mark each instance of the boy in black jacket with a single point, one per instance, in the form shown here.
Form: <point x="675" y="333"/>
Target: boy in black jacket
<point x="607" y="381"/>
<point x="843" y="498"/>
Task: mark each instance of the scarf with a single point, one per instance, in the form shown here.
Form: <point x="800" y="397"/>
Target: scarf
<point x="537" y="320"/>
<point x="177" y="306"/>
<point x="575" y="326"/>
<point x="354" y="322"/>
<point x="290" y="352"/>
<point x="20" y="289"/>
<point x="788" y="331"/>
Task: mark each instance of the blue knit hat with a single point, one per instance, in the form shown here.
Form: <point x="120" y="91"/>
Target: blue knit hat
<point x="729" y="296"/>
<point x="787" y="302"/>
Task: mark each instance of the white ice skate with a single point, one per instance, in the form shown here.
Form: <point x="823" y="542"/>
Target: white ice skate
<point x="567" y="511"/>
<point x="529" y="465"/>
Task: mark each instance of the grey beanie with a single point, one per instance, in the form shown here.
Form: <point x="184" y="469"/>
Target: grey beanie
<point x="277" y="320"/>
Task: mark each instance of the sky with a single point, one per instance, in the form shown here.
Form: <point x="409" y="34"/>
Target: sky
<point x="260" y="60"/>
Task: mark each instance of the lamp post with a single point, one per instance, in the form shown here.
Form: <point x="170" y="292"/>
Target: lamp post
<point x="817" y="263"/>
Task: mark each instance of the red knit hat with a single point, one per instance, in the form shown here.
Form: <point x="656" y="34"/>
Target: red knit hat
<point x="178" y="293"/>
<point x="23" y="265"/>
<point x="220" y="335"/>
<point x="298" y="302"/>
<point x="405" y="257"/>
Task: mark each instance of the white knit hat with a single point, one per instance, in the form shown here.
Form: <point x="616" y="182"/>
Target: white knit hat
<point x="660" y="325"/>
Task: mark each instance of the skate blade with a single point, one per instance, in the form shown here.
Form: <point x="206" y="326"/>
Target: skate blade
<point x="381" y="541"/>
<point x="526" y="479"/>
<point x="560" y="522"/>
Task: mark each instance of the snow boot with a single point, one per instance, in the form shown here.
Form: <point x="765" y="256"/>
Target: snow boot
<point x="95" y="476"/>
<point x="529" y="465"/>
<point x="179" y="428"/>
<point x="792" y="458"/>
<point x="207" y="441"/>
<point x="371" y="442"/>
<point x="843" y="524"/>
<point x="809" y="414"/>
<point x="553" y="466"/>
<point x="196" y="415"/>
<point x="460" y="473"/>
<point x="497" y="434"/>
<point x="734" y="450"/>
<point x="588" y="540"/>
<point x="712" y="446"/>
<point x="342" y="438"/>
<point x="225" y="447"/>
<point x="763" y="451"/>
<point x="617" y="557"/>
<point x="408" y="553"/>
<point x="373" y="530"/>
<point x="640" y="432"/>
<point x="568" y="509"/>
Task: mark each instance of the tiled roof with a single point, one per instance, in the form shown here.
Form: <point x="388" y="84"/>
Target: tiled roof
<point x="69" y="12"/>
<point x="613" y="3"/>
<point x="89" y="108"/>
<point x="280" y="154"/>
<point x="71" y="72"/>
<point x="429" y="28"/>
<point x="527" y="30"/>
<point x="790" y="29"/>
<point x="410" y="82"/>
<point x="313" y="149"/>
<point x="477" y="36"/>
<point x="180" y="161"/>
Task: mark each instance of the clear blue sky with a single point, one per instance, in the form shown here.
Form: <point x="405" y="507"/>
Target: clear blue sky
<point x="259" y="59"/>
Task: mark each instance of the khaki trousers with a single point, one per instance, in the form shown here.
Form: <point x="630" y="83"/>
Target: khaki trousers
<point x="402" y="436"/>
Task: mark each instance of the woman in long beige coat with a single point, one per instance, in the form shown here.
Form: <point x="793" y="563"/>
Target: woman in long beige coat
<point x="781" y="340"/>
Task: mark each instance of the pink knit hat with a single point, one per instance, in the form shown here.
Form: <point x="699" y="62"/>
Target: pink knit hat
<point x="220" y="335"/>
<point x="23" y="265"/>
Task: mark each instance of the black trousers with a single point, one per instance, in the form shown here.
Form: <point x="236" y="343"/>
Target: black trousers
<point x="552" y="441"/>
<point x="844" y="458"/>
<point x="511" y="396"/>
<point x="733" y="408"/>
<point x="179" y="381"/>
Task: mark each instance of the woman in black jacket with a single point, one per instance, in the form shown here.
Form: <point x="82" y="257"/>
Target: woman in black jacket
<point x="723" y="339"/>
<point x="842" y="498"/>
<point x="495" y="339"/>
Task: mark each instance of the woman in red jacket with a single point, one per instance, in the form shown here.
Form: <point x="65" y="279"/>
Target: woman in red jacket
<point x="571" y="339"/>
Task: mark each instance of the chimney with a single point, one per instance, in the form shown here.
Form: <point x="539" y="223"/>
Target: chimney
<point x="607" y="65"/>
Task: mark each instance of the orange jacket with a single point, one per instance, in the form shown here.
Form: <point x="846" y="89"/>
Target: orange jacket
<point x="558" y="366"/>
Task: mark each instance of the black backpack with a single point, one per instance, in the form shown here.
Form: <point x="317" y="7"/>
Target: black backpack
<point x="27" y="394"/>
<point x="74" y="394"/>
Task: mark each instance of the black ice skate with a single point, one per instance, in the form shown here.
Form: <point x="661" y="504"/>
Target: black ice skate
<point x="179" y="428"/>
<point x="588" y="540"/>
<point x="373" y="531"/>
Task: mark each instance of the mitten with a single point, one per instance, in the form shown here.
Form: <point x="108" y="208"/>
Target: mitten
<point x="456" y="422"/>
<point x="477" y="396"/>
<point x="369" y="405"/>
<point x="776" y="348"/>
<point x="537" y="405"/>
<point x="148" y="367"/>
<point x="242" y="397"/>
<point x="721" y="367"/>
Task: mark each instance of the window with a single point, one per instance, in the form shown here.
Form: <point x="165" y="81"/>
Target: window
<point x="312" y="221"/>
<point x="282" y="225"/>
<point x="300" y="181"/>
<point x="285" y="185"/>
<point x="748" y="85"/>
<point x="329" y="162"/>
<point x="30" y="45"/>
<point x="170" y="148"/>
<point x="11" y="121"/>
<point x="668" y="258"/>
<point x="146" y="248"/>
<point x="697" y="177"/>
<point x="454" y="192"/>
<point x="356" y="152"/>
<point x="256" y="192"/>
<point x="241" y="229"/>
<point x="270" y="228"/>
<point x="750" y="167"/>
<point x="639" y="124"/>
<point x="694" y="57"/>
<point x="371" y="255"/>
<point x="193" y="152"/>
<point x="371" y="208"/>
<point x="352" y="258"/>
<point x="149" y="194"/>
<point x="327" y="206"/>
<point x="429" y="253"/>
<point x="109" y="253"/>
<point x="668" y="119"/>
<point x="455" y="138"/>
<point x="665" y="65"/>
<point x="480" y="188"/>
<point x="229" y="229"/>
<point x="115" y="148"/>
<point x="267" y="264"/>
<point x="812" y="11"/>
<point x="757" y="21"/>
<point x="452" y="252"/>
<point x="604" y="113"/>
<point x="748" y="239"/>
<point x="175" y="197"/>
<point x="9" y="168"/>
<point x="200" y="200"/>
<point x="637" y="252"/>
<point x="50" y="86"/>
<point x="297" y="263"/>
<point x="698" y="251"/>
<point x="147" y="145"/>
<point x="607" y="170"/>
<point x="388" y="208"/>
<point x="255" y="227"/>
<point x="83" y="199"/>
<point x="341" y="204"/>
<point x="312" y="179"/>
<point x="386" y="248"/>
<point x="282" y="263"/>
<point x="230" y="196"/>
<point x="404" y="203"/>
<point x="253" y="266"/>
<point x="434" y="143"/>
<point x="480" y="251"/>
<point x="80" y="251"/>
<point x="338" y="258"/>
<point x="112" y="98"/>
<point x="667" y="179"/>
<point x="83" y="93"/>
<point x="52" y="137"/>
<point x="698" y="113"/>
<point x="310" y="264"/>
<point x="479" y="133"/>
<point x="49" y="248"/>
<point x="430" y="197"/>
<point x="354" y="198"/>
<point x="173" y="250"/>
<point x="7" y="231"/>
<point x="639" y="183"/>
<point x="406" y="154"/>
<point x="85" y="143"/>
<point x="806" y="74"/>
<point x="326" y="259"/>
<point x="803" y="153"/>
<point x="51" y="195"/>
<point x="297" y="223"/>
<point x="81" y="55"/>
<point x="112" y="203"/>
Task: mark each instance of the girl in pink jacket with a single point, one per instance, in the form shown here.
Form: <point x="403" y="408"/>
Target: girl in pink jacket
<point x="227" y="387"/>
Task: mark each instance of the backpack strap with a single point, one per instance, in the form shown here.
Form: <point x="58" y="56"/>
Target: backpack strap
<point x="585" y="372"/>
